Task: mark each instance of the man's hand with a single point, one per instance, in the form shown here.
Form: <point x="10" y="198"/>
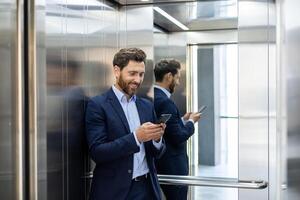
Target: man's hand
<point x="195" y="116"/>
<point x="186" y="116"/>
<point x="149" y="131"/>
<point x="163" y="126"/>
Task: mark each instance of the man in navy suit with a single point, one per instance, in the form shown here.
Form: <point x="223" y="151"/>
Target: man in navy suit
<point x="178" y="130"/>
<point x="122" y="136"/>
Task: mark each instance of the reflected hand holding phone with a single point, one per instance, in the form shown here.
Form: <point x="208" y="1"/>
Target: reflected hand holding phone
<point x="201" y="109"/>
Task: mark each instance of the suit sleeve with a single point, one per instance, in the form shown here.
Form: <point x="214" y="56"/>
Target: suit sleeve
<point x="102" y="150"/>
<point x="176" y="132"/>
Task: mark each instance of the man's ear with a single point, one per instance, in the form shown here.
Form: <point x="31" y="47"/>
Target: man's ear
<point x="117" y="71"/>
<point x="169" y="76"/>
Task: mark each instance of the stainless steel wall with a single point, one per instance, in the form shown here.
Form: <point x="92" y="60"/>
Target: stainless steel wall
<point x="290" y="91"/>
<point x="136" y="30"/>
<point x="257" y="87"/>
<point x="11" y="101"/>
<point x="7" y="29"/>
<point x="76" y="43"/>
<point x="167" y="46"/>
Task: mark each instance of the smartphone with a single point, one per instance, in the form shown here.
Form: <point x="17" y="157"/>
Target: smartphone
<point x="201" y="109"/>
<point x="163" y="118"/>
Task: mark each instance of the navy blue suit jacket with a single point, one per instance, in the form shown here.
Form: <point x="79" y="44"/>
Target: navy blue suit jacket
<point x="112" y="145"/>
<point x="174" y="160"/>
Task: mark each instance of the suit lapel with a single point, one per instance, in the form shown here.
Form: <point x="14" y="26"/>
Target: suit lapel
<point x="140" y="110"/>
<point x="118" y="108"/>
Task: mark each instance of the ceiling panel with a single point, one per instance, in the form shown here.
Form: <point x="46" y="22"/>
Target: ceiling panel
<point x="204" y="15"/>
<point x="131" y="2"/>
<point x="195" y="15"/>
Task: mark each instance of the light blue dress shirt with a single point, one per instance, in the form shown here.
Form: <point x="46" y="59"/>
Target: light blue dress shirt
<point x="140" y="166"/>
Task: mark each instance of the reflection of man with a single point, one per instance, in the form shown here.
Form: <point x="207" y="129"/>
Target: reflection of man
<point x="178" y="130"/>
<point x="122" y="138"/>
<point x="66" y="145"/>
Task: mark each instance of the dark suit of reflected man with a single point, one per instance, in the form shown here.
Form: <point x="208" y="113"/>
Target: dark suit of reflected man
<point x="122" y="137"/>
<point x="178" y="131"/>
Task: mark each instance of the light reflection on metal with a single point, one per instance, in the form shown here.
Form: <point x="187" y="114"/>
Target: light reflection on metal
<point x="32" y="84"/>
<point x="18" y="106"/>
<point x="211" y="182"/>
<point x="169" y="17"/>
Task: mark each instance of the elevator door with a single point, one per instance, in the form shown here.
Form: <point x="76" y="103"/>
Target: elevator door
<point x="214" y="146"/>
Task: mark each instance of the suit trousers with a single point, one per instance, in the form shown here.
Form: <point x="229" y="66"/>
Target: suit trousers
<point x="140" y="190"/>
<point x="175" y="192"/>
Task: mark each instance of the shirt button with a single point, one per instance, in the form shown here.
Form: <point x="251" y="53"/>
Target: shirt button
<point x="129" y="171"/>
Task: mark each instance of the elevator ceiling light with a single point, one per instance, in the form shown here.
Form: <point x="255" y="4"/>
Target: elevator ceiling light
<point x="169" y="17"/>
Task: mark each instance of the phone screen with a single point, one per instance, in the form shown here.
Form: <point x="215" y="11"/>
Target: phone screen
<point x="164" y="118"/>
<point x="201" y="109"/>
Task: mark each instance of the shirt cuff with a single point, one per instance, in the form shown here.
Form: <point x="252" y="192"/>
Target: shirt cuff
<point x="190" y="120"/>
<point x="136" y="140"/>
<point x="183" y="121"/>
<point x="186" y="121"/>
<point x="157" y="145"/>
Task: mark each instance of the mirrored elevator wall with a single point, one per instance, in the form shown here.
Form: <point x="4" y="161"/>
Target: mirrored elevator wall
<point x="75" y="45"/>
<point x="8" y="51"/>
<point x="136" y="30"/>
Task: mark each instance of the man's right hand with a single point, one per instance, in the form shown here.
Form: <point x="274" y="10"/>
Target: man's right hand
<point x="149" y="131"/>
<point x="195" y="116"/>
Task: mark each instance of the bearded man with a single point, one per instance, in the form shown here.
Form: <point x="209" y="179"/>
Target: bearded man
<point x="178" y="131"/>
<point x="122" y="135"/>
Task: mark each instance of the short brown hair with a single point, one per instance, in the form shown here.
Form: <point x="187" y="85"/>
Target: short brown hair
<point x="122" y="58"/>
<point x="165" y="66"/>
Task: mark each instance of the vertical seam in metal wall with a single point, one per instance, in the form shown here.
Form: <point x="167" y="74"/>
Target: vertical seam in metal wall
<point x="268" y="63"/>
<point x="238" y="93"/>
<point x="279" y="118"/>
<point x="32" y="99"/>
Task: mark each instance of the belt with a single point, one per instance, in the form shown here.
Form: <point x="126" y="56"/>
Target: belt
<point x="140" y="178"/>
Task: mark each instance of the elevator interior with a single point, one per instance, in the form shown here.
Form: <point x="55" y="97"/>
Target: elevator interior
<point x="238" y="58"/>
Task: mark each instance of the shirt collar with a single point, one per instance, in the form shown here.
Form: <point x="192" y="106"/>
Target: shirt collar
<point x="164" y="90"/>
<point x="121" y="96"/>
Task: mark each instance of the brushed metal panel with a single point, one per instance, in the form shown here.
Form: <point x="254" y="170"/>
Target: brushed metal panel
<point x="7" y="30"/>
<point x="254" y="94"/>
<point x="289" y="58"/>
<point x="11" y="101"/>
<point x="136" y="30"/>
<point x="76" y="43"/>
<point x="174" y="46"/>
<point x="253" y="116"/>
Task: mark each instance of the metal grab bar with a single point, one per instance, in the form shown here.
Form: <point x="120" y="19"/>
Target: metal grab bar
<point x="211" y="182"/>
<point x="204" y="181"/>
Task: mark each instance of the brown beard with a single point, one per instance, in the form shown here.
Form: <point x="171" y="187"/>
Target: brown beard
<point x="125" y="86"/>
<point x="172" y="86"/>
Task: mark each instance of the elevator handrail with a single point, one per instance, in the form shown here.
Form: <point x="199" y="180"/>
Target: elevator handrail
<point x="211" y="182"/>
<point x="206" y="181"/>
